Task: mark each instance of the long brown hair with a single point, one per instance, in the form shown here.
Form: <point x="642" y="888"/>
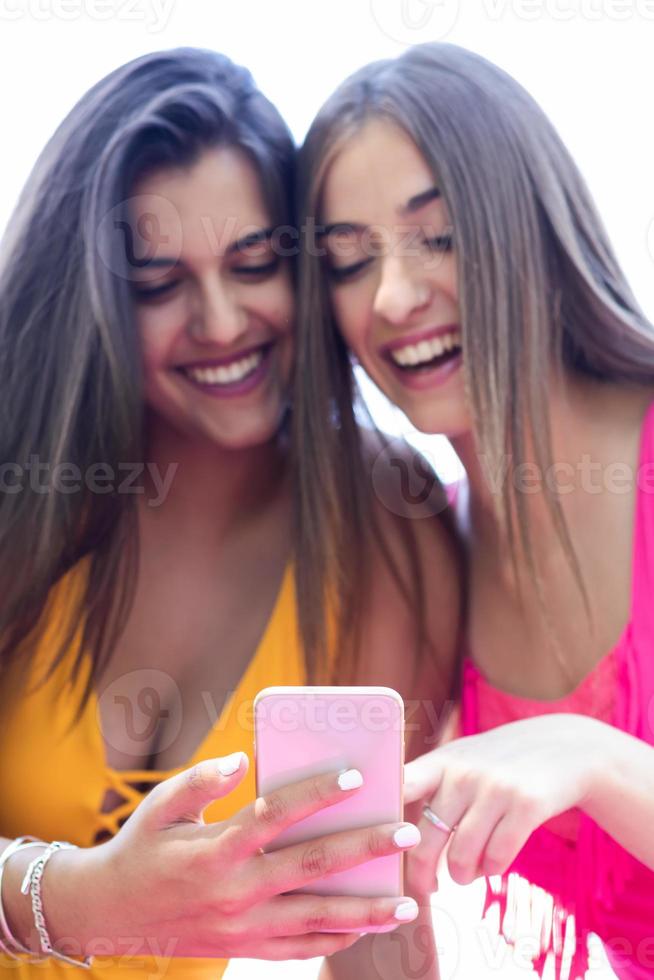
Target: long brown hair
<point x="70" y="373"/>
<point x="538" y="284"/>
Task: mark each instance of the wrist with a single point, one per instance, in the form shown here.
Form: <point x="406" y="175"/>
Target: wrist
<point x="82" y="908"/>
<point x="18" y="907"/>
<point x="71" y="882"/>
<point x="602" y="753"/>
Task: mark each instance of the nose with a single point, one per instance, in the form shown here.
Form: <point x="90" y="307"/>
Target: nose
<point x="401" y="291"/>
<point x="217" y="316"/>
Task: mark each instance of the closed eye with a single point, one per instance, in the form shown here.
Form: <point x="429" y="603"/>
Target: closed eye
<point x="257" y="270"/>
<point x="346" y="272"/>
<point x="143" y="295"/>
<point x="441" y="243"/>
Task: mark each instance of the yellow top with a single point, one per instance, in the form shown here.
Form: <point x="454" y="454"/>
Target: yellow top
<point x="53" y="783"/>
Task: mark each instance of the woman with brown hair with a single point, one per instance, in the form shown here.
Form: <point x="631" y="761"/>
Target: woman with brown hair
<point x="453" y="249"/>
<point x="149" y="569"/>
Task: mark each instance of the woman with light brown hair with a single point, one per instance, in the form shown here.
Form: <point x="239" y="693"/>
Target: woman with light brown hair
<point x="452" y="249"/>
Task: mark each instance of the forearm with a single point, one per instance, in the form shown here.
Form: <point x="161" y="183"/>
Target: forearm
<point x="407" y="952"/>
<point x="621" y="794"/>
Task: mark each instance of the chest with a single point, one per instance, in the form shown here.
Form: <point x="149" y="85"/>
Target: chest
<point x="189" y="640"/>
<point x="543" y="646"/>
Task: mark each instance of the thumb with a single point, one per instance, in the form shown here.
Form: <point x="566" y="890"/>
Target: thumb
<point x="184" y="797"/>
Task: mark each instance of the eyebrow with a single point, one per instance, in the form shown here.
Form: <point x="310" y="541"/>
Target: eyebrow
<point x="412" y="205"/>
<point x="254" y="238"/>
<point x="419" y="200"/>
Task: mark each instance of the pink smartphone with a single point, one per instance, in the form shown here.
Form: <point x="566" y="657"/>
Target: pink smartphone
<point x="305" y="731"/>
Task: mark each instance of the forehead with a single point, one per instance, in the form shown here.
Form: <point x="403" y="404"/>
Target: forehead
<point x="214" y="201"/>
<point x="375" y="173"/>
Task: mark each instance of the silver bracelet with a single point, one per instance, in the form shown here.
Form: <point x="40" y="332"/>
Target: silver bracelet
<point x="32" y="883"/>
<point x="13" y="848"/>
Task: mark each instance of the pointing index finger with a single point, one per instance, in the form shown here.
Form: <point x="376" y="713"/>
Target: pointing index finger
<point x="422" y="776"/>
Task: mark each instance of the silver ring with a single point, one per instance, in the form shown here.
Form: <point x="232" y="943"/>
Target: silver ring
<point x="436" y="821"/>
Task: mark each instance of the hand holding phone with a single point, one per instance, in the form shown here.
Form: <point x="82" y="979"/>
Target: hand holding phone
<point x="311" y="731"/>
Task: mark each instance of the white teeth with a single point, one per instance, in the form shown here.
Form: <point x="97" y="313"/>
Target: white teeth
<point x="226" y="374"/>
<point x="426" y="350"/>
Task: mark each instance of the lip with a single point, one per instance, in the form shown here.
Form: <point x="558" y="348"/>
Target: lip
<point x="230" y="359"/>
<point x="425" y="379"/>
<point x="238" y="388"/>
<point x="433" y="378"/>
<point x="409" y="339"/>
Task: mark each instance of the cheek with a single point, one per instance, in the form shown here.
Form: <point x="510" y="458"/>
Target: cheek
<point x="352" y="313"/>
<point x="157" y="332"/>
<point x="274" y="303"/>
<point x="449" y="282"/>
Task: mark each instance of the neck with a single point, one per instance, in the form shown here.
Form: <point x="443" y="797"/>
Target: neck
<point x="202" y="485"/>
<point x="593" y="426"/>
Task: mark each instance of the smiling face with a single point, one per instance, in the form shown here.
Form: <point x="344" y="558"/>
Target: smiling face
<point x="392" y="273"/>
<point x="214" y="303"/>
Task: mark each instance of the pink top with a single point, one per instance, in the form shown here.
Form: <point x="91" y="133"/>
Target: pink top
<point x="596" y="886"/>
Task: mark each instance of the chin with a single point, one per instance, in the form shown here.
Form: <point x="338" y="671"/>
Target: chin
<point x="247" y="437"/>
<point x="441" y="423"/>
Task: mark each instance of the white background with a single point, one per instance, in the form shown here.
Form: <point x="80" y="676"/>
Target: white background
<point x="589" y="63"/>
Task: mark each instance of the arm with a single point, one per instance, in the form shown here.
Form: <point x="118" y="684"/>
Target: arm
<point x="498" y="786"/>
<point x="621" y="794"/>
<point x="387" y="642"/>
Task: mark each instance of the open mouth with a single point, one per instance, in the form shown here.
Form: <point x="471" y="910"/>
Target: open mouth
<point x="231" y="375"/>
<point x="427" y="354"/>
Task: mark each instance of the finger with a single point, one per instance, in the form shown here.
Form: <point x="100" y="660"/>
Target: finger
<point x="299" y="865"/>
<point x="423" y="776"/>
<point x="183" y="798"/>
<point x="505" y="842"/>
<point x="468" y="844"/>
<point x="422" y="863"/>
<point x="303" y="947"/>
<point x="269" y="815"/>
<point x="295" y="915"/>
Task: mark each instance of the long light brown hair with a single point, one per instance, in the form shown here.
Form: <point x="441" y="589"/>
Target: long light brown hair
<point x="539" y="285"/>
<point x="70" y="365"/>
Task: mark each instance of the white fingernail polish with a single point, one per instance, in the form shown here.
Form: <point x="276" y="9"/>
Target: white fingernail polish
<point x="229" y="765"/>
<point x="407" y="911"/>
<point x="407" y="836"/>
<point x="350" y="779"/>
